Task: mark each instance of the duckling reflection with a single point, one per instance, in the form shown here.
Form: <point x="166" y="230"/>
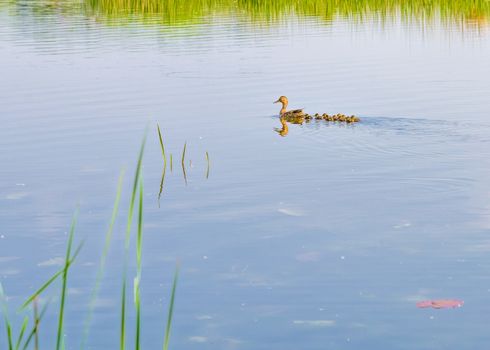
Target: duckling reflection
<point x="284" y="130"/>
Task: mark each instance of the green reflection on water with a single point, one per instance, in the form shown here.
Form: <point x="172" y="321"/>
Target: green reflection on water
<point x="171" y="12"/>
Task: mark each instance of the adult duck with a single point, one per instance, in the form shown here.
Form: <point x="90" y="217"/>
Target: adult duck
<point x="284" y="113"/>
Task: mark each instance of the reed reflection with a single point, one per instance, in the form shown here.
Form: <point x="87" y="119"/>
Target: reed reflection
<point x="471" y="14"/>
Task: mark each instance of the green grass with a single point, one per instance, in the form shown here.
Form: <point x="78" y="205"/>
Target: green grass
<point x="61" y="313"/>
<point x="136" y="180"/>
<point x="29" y="330"/>
<point x="162" y="147"/>
<point x="166" y="339"/>
<point x="264" y="12"/>
<point x="208" y="165"/>
<point x="183" y="163"/>
<point x="103" y="259"/>
<point x="137" y="280"/>
<point x="268" y="11"/>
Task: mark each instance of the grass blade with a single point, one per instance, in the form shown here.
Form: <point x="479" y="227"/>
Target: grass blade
<point x="122" y="337"/>
<point x="21" y="333"/>
<point x="183" y="152"/>
<point x="35" y="330"/>
<point x="40" y="290"/>
<point x="164" y="163"/>
<point x="51" y="280"/>
<point x="139" y="246"/>
<point x="171" y="310"/>
<point x="126" y="244"/>
<point x="8" y="326"/>
<point x="64" y="282"/>
<point x="183" y="163"/>
<point x="208" y="162"/>
<point x="103" y="258"/>
<point x="161" y="185"/>
<point x="37" y="319"/>
<point x="162" y="146"/>
<point x="9" y="334"/>
<point x="171" y="163"/>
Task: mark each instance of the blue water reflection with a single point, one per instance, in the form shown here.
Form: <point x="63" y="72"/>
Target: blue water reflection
<point x="325" y="238"/>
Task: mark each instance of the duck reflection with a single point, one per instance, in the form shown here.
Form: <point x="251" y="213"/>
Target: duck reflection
<point x="284" y="130"/>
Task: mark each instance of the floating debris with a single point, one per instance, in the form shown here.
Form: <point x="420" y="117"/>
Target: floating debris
<point x="440" y="304"/>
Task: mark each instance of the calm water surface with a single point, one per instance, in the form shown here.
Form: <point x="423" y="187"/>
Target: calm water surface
<point x="322" y="239"/>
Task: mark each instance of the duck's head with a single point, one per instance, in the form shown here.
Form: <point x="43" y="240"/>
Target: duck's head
<point x="283" y="100"/>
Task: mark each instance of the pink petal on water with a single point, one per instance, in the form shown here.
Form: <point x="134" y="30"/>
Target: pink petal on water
<point x="424" y="304"/>
<point x="441" y="303"/>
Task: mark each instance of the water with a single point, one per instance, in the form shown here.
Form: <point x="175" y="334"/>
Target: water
<point x="322" y="239"/>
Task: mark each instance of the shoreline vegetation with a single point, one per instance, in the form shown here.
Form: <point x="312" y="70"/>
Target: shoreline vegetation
<point x="472" y="13"/>
<point x="26" y="336"/>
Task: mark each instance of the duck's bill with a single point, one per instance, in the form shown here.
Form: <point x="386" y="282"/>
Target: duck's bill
<point x="276" y="101"/>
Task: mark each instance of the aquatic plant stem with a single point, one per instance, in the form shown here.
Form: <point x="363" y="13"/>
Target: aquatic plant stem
<point x="183" y="163"/>
<point x="162" y="146"/>
<point x="208" y="165"/>
<point x="161" y="185"/>
<point x="21" y="333"/>
<point x="4" y="309"/>
<point x="127" y="241"/>
<point x="103" y="258"/>
<point x="36" y="326"/>
<point x="139" y="246"/>
<point x="51" y="280"/>
<point x="171" y="309"/>
<point x="65" y="281"/>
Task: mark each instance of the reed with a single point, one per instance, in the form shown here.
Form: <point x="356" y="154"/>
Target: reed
<point x="183" y="163"/>
<point x="166" y="339"/>
<point x="137" y="280"/>
<point x="176" y="12"/>
<point x="136" y="180"/>
<point x="162" y="180"/>
<point x="6" y="318"/>
<point x="208" y="165"/>
<point x="103" y="258"/>
<point x="32" y="332"/>
<point x="21" y="333"/>
<point x="183" y="152"/>
<point x="267" y="12"/>
<point x="162" y="147"/>
<point x="61" y="313"/>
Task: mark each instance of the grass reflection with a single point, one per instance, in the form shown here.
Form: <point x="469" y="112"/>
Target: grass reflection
<point x="267" y="11"/>
<point x="177" y="12"/>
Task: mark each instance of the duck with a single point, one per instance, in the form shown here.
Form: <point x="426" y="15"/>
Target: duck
<point x="294" y="115"/>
